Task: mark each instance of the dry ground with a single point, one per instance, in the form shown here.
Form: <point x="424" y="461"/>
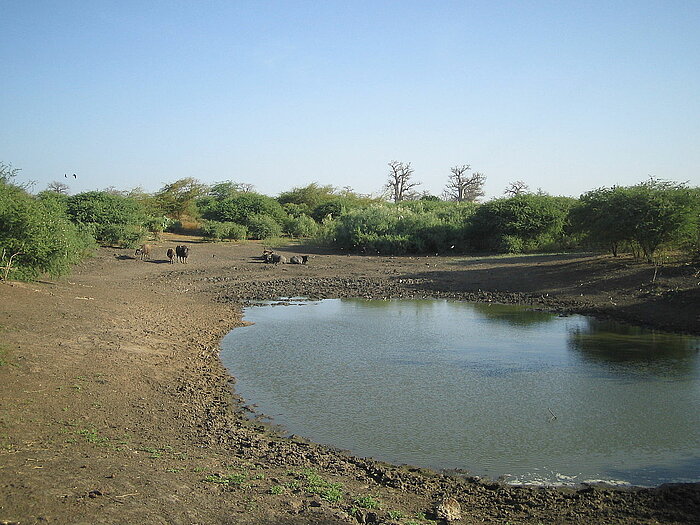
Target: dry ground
<point x="115" y="409"/>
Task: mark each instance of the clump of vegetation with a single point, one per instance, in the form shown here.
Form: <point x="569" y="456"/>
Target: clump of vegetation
<point x="641" y="219"/>
<point x="235" y="479"/>
<point x="315" y="484"/>
<point x="37" y="236"/>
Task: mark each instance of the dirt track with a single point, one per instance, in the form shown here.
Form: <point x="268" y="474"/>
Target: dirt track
<point x="116" y="409"/>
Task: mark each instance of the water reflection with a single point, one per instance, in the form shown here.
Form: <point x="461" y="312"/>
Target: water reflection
<point x="635" y="349"/>
<point x="507" y="314"/>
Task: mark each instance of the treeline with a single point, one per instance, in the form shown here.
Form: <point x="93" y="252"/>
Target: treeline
<point x="50" y="231"/>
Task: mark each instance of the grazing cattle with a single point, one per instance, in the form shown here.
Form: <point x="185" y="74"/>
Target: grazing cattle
<point x="299" y="259"/>
<point x="171" y="255"/>
<point x="267" y="256"/>
<point x="144" y="252"/>
<point x="182" y="253"/>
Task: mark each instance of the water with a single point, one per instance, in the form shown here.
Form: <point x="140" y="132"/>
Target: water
<point x="500" y="391"/>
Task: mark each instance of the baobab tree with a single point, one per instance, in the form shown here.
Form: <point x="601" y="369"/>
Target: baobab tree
<point x="399" y="183"/>
<point x="516" y="188"/>
<point x="58" y="187"/>
<point x="463" y="186"/>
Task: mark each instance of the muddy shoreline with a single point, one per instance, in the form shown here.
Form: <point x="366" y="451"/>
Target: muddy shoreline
<point x="115" y="390"/>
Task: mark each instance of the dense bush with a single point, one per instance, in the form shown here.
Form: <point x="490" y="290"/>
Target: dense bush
<point x="522" y="223"/>
<point x="301" y="226"/>
<point x="642" y="218"/>
<point x="242" y="207"/>
<point x="112" y="219"/>
<point x="217" y="231"/>
<point x="38" y="230"/>
<point x="263" y="227"/>
<point x="398" y="229"/>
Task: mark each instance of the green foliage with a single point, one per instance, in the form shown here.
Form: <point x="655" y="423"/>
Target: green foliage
<point x="417" y="227"/>
<point x="643" y="217"/>
<point x="301" y="226"/>
<point x="217" y="231"/>
<point x="241" y="208"/>
<point x="525" y="222"/>
<point x="112" y="219"/>
<point x="309" y="196"/>
<point x="332" y="209"/>
<point x="332" y="492"/>
<point x="177" y="199"/>
<point x="263" y="227"/>
<point x="236" y="479"/>
<point x="40" y="233"/>
<point x="367" y="502"/>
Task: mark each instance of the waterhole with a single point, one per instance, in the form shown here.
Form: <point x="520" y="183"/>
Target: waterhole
<point x="502" y="392"/>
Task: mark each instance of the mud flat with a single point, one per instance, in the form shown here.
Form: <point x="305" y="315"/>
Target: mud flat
<point x="115" y="407"/>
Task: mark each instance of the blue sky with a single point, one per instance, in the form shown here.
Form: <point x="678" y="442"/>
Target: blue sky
<point x="566" y="96"/>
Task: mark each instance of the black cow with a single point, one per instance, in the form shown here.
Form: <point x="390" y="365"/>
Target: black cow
<point x="182" y="252"/>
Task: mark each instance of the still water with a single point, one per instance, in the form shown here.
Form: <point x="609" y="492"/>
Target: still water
<point x="499" y="391"/>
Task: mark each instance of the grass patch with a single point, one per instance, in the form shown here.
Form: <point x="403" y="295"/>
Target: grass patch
<point x="315" y="484"/>
<point x="367" y="502"/>
<point x="236" y="479"/>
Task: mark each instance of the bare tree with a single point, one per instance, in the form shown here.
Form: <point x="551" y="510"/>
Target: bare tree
<point x="399" y="183"/>
<point x="516" y="188"/>
<point x="463" y="186"/>
<point x="58" y="187"/>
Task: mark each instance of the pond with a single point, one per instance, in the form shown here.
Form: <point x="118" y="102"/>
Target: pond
<point x="499" y="391"/>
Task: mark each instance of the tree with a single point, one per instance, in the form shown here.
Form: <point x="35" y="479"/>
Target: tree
<point x="8" y="173"/>
<point x="58" y="187"/>
<point x="112" y="219"/>
<point x="178" y="198"/>
<point x="516" y="188"/>
<point x="464" y="187"/>
<point x="399" y="183"/>
<point x="646" y="216"/>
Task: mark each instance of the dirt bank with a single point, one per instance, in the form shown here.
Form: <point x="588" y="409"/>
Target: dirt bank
<point x="116" y="409"/>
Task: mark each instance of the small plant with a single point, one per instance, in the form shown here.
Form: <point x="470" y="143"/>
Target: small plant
<point x="277" y="490"/>
<point x="395" y="514"/>
<point x="331" y="492"/>
<point x="91" y="436"/>
<point x="367" y="502"/>
<point x="236" y="479"/>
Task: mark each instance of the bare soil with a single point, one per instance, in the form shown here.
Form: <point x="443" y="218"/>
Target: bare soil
<point x="115" y="408"/>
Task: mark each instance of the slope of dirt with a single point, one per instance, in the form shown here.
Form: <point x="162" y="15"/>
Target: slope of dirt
<point x="114" y="407"/>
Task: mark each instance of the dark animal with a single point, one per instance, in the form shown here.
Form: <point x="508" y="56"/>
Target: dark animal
<point x="278" y="259"/>
<point x="144" y="252"/>
<point x="182" y="252"/>
<point x="298" y="259"/>
<point x="171" y="255"/>
<point x="266" y="256"/>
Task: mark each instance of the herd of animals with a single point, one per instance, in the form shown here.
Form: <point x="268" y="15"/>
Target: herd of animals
<point x="180" y="253"/>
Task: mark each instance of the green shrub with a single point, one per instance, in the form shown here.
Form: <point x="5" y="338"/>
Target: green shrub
<point x="301" y="226"/>
<point x="113" y="219"/>
<point x="263" y="227"/>
<point x="523" y="223"/>
<point x="39" y="231"/>
<point x="640" y="218"/>
<point x="236" y="232"/>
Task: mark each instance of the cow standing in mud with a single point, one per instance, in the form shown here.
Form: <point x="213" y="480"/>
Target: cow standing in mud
<point x="182" y="253"/>
<point x="143" y="252"/>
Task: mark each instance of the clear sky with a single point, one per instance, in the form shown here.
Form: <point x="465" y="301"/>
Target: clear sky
<point x="566" y="96"/>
